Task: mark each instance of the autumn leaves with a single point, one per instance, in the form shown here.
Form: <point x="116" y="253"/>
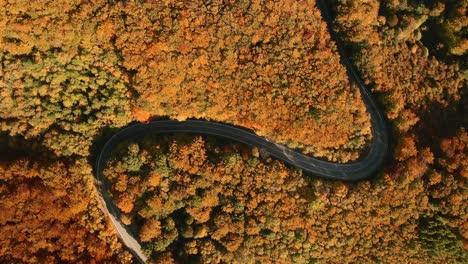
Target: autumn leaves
<point x="201" y="200"/>
<point x="250" y="64"/>
<point x="68" y="84"/>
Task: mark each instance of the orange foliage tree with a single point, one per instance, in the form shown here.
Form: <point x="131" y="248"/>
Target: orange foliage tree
<point x="223" y="204"/>
<point x="49" y="215"/>
<point x="60" y="79"/>
<point x="249" y="63"/>
<point x="265" y="65"/>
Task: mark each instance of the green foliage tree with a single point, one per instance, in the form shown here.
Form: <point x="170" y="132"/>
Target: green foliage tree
<point x="50" y="214"/>
<point x="60" y="79"/>
<point x="440" y="241"/>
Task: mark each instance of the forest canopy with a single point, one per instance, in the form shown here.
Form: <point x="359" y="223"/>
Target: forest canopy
<point x="72" y="69"/>
<point x="72" y="72"/>
<point x="212" y="201"/>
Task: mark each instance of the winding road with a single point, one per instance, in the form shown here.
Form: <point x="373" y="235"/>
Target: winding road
<point x="364" y="167"/>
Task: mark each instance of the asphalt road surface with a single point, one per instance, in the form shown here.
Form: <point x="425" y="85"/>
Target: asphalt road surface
<point x="365" y="167"/>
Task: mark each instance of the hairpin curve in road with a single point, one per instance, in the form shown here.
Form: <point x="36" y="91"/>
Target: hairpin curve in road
<point x="363" y="168"/>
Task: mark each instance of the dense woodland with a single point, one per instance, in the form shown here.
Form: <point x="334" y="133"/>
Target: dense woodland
<point x="248" y="64"/>
<point x="72" y="72"/>
<point x="48" y="214"/>
<point x="197" y="199"/>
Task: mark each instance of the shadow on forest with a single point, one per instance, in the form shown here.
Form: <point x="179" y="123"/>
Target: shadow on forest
<point x="441" y="122"/>
<point x="17" y="147"/>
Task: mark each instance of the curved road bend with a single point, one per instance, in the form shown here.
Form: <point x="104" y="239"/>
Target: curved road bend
<point x="365" y="167"/>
